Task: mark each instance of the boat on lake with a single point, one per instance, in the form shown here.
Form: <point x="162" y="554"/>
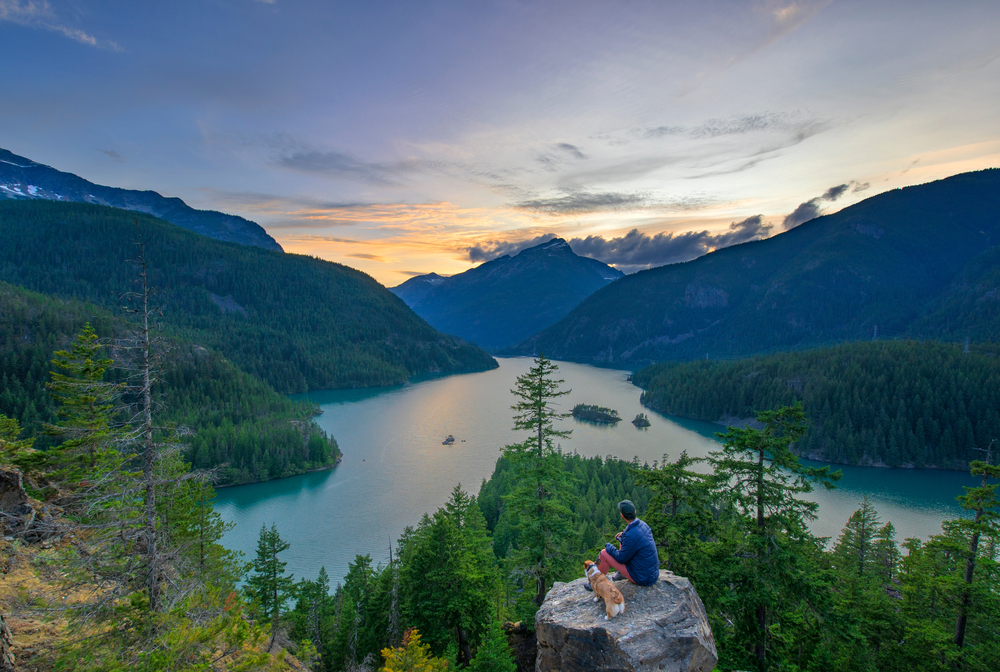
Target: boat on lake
<point x="448" y="440"/>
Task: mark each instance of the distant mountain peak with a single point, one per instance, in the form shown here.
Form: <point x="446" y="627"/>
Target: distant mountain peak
<point x="551" y="245"/>
<point x="505" y="300"/>
<point x="24" y="179"/>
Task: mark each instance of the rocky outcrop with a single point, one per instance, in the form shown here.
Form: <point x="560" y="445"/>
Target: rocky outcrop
<point x="22" y="517"/>
<point x="522" y="644"/>
<point x="664" y="628"/>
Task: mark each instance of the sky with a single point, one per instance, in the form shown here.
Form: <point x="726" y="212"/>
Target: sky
<point x="407" y="137"/>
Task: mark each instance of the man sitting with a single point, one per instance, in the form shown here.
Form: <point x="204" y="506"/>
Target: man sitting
<point x="636" y="559"/>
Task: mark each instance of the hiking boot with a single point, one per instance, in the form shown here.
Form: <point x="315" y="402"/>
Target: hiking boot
<point x="589" y="588"/>
<point x="617" y="576"/>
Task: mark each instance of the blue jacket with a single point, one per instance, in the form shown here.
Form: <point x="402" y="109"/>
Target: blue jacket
<point x="638" y="553"/>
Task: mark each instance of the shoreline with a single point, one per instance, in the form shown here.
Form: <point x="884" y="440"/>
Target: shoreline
<point x="326" y="467"/>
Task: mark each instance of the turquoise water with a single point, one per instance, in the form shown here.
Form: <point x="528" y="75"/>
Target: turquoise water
<point x="395" y="468"/>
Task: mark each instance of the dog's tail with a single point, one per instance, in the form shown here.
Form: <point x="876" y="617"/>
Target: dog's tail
<point x="620" y="608"/>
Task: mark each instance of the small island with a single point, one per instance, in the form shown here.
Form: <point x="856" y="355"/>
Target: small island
<point x="598" y="414"/>
<point x="641" y="420"/>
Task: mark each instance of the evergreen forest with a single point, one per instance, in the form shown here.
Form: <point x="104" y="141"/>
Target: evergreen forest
<point x="778" y="597"/>
<point x="238" y="424"/>
<point x="457" y="583"/>
<point x="295" y="322"/>
<point x="894" y="403"/>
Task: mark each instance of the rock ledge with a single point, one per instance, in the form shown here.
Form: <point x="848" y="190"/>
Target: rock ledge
<point x="664" y="627"/>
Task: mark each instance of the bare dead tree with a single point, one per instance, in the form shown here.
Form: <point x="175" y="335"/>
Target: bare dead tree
<point x="126" y="506"/>
<point x="392" y="631"/>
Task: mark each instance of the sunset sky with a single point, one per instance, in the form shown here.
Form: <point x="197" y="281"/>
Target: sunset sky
<point x="407" y="137"/>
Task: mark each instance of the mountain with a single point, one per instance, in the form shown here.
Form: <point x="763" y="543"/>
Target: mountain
<point x="297" y="322"/>
<point x="503" y="301"/>
<point x="417" y="287"/>
<point x="23" y="179"/>
<point x="920" y="261"/>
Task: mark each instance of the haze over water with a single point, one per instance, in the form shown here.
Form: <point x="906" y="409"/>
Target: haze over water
<point x="395" y="468"/>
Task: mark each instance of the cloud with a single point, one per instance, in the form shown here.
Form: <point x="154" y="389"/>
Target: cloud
<point x="809" y="210"/>
<point x="562" y="153"/>
<point x="741" y="125"/>
<point x="572" y="150"/>
<point x="494" y="249"/>
<point x="636" y="250"/>
<point x="833" y="193"/>
<point x="343" y="166"/>
<point x="813" y="208"/>
<point x="369" y="257"/>
<point x="115" y="156"/>
<point x="39" y="14"/>
<point x="578" y="201"/>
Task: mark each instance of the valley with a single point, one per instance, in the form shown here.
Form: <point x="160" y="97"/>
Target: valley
<point x="391" y="438"/>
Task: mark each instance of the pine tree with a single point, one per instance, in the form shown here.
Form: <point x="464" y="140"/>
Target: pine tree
<point x="86" y="404"/>
<point x="538" y="504"/>
<point x="855" y="549"/>
<point x="269" y="586"/>
<point x="679" y="511"/>
<point x="758" y="478"/>
<point x="13" y="450"/>
<point x="494" y="654"/>
<point x="451" y="575"/>
<point x="984" y="502"/>
<point x="886" y="554"/>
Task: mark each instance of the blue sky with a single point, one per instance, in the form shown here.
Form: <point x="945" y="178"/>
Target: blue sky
<point x="412" y="137"/>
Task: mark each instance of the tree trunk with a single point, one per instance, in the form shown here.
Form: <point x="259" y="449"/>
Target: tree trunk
<point x="464" y="650"/>
<point x="760" y="648"/>
<point x="149" y="456"/>
<point x="970" y="566"/>
<point x="539" y="590"/>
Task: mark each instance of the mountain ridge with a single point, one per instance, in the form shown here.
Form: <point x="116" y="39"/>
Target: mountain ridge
<point x="884" y="264"/>
<point x="24" y="179"/>
<point x="504" y="300"/>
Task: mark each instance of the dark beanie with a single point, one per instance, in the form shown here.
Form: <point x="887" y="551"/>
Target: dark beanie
<point x="627" y="509"/>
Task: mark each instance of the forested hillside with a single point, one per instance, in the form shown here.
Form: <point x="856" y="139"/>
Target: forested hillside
<point x="297" y="322"/>
<point x="239" y="423"/>
<point x="918" y="261"/>
<point x="921" y="404"/>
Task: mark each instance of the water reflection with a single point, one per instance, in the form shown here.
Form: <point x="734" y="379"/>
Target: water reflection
<point x="395" y="468"/>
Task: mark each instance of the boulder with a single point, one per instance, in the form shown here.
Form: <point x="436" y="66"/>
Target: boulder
<point x="23" y="517"/>
<point x="12" y="494"/>
<point x="664" y="627"/>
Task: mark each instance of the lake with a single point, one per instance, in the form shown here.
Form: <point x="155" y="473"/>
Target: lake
<point x="395" y="468"/>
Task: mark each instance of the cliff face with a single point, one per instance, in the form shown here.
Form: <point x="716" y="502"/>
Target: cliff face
<point x="664" y="628"/>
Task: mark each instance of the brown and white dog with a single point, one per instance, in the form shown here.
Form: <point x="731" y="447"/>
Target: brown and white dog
<point x="614" y="603"/>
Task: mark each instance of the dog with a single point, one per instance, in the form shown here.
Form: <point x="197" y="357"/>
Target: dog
<point x="614" y="603"/>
